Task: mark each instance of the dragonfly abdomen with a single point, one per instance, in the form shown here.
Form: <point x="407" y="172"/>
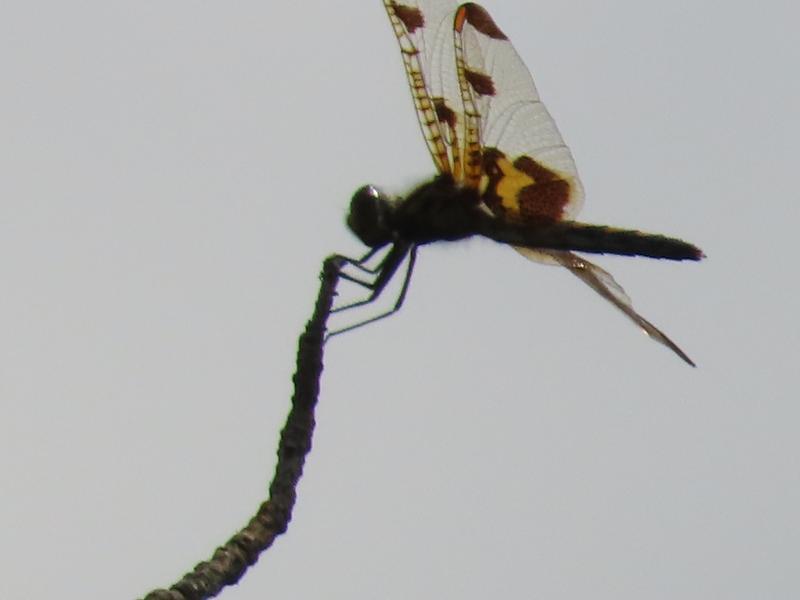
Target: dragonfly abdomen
<point x="595" y="239"/>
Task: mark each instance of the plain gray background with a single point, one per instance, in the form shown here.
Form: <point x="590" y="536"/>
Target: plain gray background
<point x="172" y="175"/>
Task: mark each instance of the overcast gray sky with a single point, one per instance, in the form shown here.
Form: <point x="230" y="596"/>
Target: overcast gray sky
<point x="173" y="174"/>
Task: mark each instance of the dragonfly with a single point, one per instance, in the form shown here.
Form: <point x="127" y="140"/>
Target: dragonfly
<point x="503" y="169"/>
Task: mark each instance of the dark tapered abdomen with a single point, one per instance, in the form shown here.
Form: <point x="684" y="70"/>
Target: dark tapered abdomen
<point x="596" y="239"/>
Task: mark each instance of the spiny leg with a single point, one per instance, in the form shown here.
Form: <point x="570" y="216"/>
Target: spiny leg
<point x="380" y="283"/>
<point x="360" y="264"/>
<point x="385" y="271"/>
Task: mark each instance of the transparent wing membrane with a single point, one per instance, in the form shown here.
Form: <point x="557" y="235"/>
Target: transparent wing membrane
<point x="604" y="284"/>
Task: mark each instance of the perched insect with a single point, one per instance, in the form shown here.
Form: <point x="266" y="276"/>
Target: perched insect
<point x="504" y="171"/>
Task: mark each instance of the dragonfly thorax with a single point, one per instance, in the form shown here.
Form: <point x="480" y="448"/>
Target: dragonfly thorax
<point x="436" y="211"/>
<point x="439" y="210"/>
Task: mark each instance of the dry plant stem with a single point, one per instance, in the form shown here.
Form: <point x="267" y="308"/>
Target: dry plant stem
<point x="230" y="561"/>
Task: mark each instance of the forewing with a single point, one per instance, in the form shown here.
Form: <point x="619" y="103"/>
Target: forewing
<point x="424" y="32"/>
<point x="526" y="171"/>
<point x="604" y="284"/>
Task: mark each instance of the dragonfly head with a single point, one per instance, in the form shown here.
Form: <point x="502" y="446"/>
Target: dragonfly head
<point x="370" y="215"/>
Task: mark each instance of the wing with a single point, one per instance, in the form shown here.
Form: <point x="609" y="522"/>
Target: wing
<point x="604" y="284"/>
<point x="424" y="31"/>
<point x="480" y="113"/>
<point x="525" y="170"/>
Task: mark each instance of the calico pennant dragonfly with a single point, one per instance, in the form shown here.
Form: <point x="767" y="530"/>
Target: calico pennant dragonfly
<point x="504" y="171"/>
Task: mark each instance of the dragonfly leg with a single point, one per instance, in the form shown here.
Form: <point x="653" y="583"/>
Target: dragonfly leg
<point x="385" y="271"/>
<point x="389" y="266"/>
<point x="360" y="263"/>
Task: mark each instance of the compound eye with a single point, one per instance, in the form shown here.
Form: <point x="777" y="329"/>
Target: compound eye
<point x="370" y="191"/>
<point x="368" y="217"/>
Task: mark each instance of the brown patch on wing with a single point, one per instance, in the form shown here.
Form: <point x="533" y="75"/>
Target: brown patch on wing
<point x="538" y="172"/>
<point x="476" y="15"/>
<point x="543" y="201"/>
<point x="546" y="198"/>
<point x="410" y="16"/>
<point x="480" y="82"/>
<point x="523" y="190"/>
<point x="444" y="113"/>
